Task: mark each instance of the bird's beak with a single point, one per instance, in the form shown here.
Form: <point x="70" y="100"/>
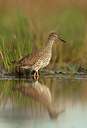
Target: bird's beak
<point x="60" y="39"/>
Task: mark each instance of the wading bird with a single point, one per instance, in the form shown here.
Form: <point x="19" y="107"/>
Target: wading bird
<point x="39" y="59"/>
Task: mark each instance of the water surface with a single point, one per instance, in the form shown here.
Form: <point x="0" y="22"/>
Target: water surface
<point x="49" y="102"/>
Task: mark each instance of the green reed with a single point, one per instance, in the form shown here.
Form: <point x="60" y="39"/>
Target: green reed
<point x="20" y="36"/>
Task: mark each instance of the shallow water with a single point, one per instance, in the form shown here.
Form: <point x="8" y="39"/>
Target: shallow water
<point x="49" y="102"/>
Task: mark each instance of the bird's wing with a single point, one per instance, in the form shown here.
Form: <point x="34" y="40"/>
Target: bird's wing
<point x="28" y="60"/>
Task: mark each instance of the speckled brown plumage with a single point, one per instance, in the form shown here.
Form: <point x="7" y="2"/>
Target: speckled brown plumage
<point x="39" y="59"/>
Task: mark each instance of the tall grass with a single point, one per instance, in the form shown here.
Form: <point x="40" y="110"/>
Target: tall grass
<point x="20" y="35"/>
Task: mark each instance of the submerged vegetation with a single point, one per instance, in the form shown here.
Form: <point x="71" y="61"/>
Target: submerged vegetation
<point x="20" y="36"/>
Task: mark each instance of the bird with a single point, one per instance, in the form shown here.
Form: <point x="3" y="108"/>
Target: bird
<point x="39" y="59"/>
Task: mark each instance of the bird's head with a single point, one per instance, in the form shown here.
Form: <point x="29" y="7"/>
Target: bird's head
<point x="53" y="36"/>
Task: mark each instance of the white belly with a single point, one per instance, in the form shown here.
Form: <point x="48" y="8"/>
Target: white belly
<point x="45" y="62"/>
<point x="41" y="63"/>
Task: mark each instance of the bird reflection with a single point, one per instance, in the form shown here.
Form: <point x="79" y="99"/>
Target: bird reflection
<point x="39" y="92"/>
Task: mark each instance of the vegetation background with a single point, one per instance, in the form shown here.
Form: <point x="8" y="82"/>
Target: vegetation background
<point x="25" y="25"/>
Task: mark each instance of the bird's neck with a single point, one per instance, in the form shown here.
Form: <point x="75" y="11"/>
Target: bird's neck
<point x="49" y="44"/>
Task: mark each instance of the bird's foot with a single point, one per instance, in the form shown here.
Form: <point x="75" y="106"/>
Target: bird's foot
<point x="36" y="77"/>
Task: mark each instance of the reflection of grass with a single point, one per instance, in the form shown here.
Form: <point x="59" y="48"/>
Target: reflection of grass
<point x="18" y="35"/>
<point x="15" y="97"/>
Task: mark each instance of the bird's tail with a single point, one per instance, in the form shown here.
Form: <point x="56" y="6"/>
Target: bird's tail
<point x="13" y="62"/>
<point x="16" y="63"/>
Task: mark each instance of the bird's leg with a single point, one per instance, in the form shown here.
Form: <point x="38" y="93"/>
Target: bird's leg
<point x="35" y="75"/>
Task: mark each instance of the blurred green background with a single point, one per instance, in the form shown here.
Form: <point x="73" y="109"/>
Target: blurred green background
<point x="26" y="24"/>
